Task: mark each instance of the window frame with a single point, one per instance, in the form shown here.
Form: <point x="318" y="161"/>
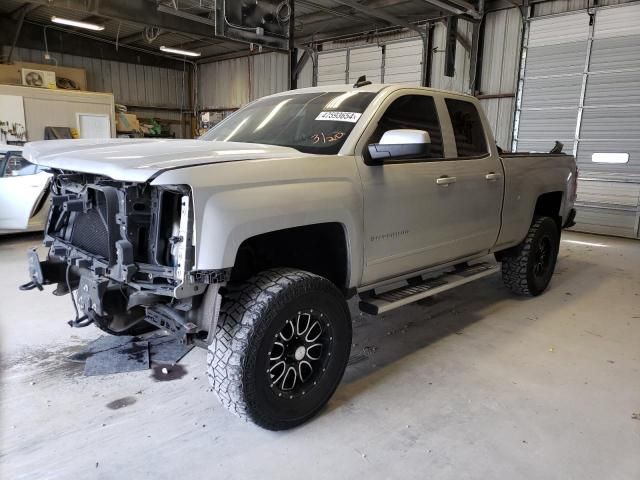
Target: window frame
<point x="487" y="142"/>
<point x="445" y="127"/>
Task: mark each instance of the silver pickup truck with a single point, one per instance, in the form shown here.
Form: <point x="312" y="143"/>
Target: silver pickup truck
<point x="250" y="240"/>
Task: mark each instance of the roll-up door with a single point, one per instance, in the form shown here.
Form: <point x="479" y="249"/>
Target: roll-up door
<point x="609" y="142"/>
<point x="365" y="61"/>
<point x="403" y="62"/>
<point x="332" y="67"/>
<point x="582" y="86"/>
<point x="553" y="77"/>
<point x="395" y="62"/>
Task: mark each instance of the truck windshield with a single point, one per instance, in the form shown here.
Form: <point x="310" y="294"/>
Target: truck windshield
<point x="309" y="122"/>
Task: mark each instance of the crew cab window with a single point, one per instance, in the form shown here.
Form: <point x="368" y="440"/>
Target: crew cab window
<point x="417" y="112"/>
<point x="16" y="166"/>
<point x="467" y="128"/>
<point x="317" y="122"/>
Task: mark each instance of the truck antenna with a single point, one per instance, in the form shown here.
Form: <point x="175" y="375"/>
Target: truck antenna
<point x="361" y="82"/>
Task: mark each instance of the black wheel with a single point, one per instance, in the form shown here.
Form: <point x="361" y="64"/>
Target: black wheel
<point x="281" y="347"/>
<point x="528" y="267"/>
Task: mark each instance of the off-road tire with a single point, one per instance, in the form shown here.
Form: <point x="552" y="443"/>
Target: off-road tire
<point x="518" y="263"/>
<point x="251" y="315"/>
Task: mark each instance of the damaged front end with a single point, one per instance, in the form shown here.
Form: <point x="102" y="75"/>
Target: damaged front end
<point x="128" y="249"/>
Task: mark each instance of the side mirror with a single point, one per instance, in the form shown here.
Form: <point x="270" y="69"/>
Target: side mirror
<point x="405" y="144"/>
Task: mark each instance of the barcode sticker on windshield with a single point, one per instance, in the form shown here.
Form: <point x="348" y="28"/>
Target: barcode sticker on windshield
<point x="350" y="117"/>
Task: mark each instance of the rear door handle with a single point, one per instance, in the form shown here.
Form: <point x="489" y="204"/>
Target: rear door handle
<point x="492" y="177"/>
<point x="445" y="180"/>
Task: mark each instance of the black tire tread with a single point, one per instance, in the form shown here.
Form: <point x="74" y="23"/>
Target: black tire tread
<point x="515" y="262"/>
<point x="241" y="311"/>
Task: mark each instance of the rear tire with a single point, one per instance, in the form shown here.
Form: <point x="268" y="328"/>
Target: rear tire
<point x="528" y="267"/>
<point x="281" y="347"/>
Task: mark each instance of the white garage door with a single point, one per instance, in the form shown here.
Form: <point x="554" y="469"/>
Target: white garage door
<point x="582" y="87"/>
<point x="395" y="62"/>
<point x="403" y="62"/>
<point x="365" y="61"/>
<point x="332" y="67"/>
<point x="553" y="78"/>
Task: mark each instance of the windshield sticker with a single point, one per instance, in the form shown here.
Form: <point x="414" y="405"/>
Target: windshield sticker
<point x="350" y="117"/>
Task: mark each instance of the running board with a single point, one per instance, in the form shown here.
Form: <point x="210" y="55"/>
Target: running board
<point x="376" y="303"/>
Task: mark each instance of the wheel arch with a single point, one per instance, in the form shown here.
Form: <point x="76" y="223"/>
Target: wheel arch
<point x="319" y="248"/>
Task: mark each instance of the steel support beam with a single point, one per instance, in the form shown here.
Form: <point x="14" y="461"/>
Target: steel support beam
<point x="143" y="12"/>
<point x="21" y="15"/>
<point x="462" y="8"/>
<point x="293" y="51"/>
<point x="382" y="15"/>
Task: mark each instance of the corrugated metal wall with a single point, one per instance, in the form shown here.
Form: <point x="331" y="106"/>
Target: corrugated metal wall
<point x="130" y="84"/>
<point x="460" y="81"/>
<point x="234" y="83"/>
<point x="499" y="70"/>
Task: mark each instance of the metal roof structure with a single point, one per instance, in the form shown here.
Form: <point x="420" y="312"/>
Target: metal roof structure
<point x="145" y="25"/>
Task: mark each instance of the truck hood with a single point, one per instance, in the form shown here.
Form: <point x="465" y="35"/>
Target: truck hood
<point x="138" y="160"/>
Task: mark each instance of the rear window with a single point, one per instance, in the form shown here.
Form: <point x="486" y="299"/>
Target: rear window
<point x="467" y="128"/>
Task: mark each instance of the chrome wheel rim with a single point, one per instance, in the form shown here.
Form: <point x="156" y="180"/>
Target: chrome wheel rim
<point x="299" y="354"/>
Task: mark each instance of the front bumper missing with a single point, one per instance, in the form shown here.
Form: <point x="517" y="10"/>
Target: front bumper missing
<point x="183" y="318"/>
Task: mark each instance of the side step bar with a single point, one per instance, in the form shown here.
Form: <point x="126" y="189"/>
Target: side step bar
<point x="376" y="303"/>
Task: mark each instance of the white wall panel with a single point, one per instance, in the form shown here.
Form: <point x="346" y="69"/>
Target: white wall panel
<point x="130" y="84"/>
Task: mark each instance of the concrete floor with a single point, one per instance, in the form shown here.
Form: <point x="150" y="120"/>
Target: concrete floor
<point x="472" y="384"/>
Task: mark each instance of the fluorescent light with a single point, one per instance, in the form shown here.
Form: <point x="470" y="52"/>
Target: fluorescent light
<point x="177" y="51"/>
<point x="76" y="23"/>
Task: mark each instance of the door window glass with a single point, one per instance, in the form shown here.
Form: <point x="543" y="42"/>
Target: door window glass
<point x="467" y="128"/>
<point x="417" y="112"/>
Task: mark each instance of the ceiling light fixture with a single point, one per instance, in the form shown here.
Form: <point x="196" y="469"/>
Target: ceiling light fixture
<point x="76" y="23"/>
<point x="177" y="51"/>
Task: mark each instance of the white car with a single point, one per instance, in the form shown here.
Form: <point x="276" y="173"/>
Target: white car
<point x="23" y="193"/>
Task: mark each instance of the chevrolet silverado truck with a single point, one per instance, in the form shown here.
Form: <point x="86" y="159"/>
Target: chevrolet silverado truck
<point x="249" y="240"/>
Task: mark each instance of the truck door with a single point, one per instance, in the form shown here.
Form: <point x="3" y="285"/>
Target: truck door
<point x="438" y="208"/>
<point x="22" y="187"/>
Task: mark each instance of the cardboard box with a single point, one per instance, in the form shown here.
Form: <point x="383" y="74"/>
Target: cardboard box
<point x="38" y="78"/>
<point x="127" y="122"/>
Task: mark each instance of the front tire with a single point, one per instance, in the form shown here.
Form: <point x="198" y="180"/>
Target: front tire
<point x="528" y="267"/>
<point x="281" y="347"/>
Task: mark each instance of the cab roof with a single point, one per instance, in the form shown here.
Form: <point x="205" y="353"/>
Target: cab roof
<point x="374" y="88"/>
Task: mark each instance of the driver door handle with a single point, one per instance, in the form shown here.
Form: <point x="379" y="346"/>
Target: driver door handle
<point x="492" y="177"/>
<point x="445" y="180"/>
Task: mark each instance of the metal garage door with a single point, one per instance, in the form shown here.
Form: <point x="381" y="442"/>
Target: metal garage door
<point x="581" y="86"/>
<point x="365" y="61"/>
<point x="609" y="193"/>
<point x="553" y="77"/>
<point x="332" y="67"/>
<point x="403" y="62"/>
<point x="395" y="62"/>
